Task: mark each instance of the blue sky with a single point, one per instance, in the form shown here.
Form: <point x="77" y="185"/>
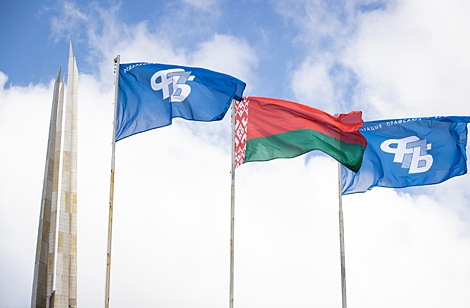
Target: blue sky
<point x="281" y="38"/>
<point x="390" y="59"/>
<point x="254" y="24"/>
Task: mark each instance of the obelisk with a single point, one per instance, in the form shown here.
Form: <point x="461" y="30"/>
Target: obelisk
<point x="55" y="270"/>
<point x="38" y="297"/>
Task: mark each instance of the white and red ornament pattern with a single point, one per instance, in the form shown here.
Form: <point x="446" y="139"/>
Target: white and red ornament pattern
<point x="241" y="130"/>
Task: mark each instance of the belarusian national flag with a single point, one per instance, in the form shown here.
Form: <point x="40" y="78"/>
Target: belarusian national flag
<point x="267" y="128"/>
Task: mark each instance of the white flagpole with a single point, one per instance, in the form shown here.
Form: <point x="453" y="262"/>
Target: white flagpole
<point x="232" y="207"/>
<point x="341" y="240"/>
<point x="111" y="189"/>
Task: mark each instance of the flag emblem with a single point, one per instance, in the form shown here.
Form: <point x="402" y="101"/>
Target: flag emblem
<point x="172" y="81"/>
<point x="411" y="152"/>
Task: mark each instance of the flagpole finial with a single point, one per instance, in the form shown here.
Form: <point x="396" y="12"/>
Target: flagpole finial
<point x="116" y="61"/>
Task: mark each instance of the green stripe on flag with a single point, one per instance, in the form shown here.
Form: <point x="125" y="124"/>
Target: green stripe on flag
<point x="298" y="142"/>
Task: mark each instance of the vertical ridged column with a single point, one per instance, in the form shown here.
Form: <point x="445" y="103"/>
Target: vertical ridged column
<point x="55" y="195"/>
<point x="66" y="269"/>
<point x="73" y="214"/>
<point x="38" y="296"/>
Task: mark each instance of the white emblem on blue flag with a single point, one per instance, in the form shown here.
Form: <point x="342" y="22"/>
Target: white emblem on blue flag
<point x="411" y="152"/>
<point x="172" y="82"/>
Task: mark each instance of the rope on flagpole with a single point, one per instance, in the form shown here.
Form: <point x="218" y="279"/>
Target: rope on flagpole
<point x="111" y="189"/>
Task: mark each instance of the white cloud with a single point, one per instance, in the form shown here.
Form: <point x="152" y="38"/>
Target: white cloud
<point x="412" y="61"/>
<point x="24" y="122"/>
<point x="173" y="153"/>
<point x="3" y="80"/>
<point x="406" y="58"/>
<point x="227" y="54"/>
<point x="324" y="30"/>
<point x="108" y="36"/>
<point x="313" y="86"/>
<point x="172" y="202"/>
<point x="64" y="24"/>
<point x="320" y="23"/>
<point x="417" y="240"/>
<point x="205" y="5"/>
<point x="171" y="221"/>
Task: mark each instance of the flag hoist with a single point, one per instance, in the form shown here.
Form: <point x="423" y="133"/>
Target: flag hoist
<point x="267" y="129"/>
<point x="403" y="153"/>
<point x="55" y="268"/>
<point x="150" y="95"/>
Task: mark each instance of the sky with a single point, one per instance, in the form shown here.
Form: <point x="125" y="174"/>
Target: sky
<point x="171" y="232"/>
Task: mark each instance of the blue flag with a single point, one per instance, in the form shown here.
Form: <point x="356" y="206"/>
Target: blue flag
<point x="150" y="95"/>
<point x="409" y="152"/>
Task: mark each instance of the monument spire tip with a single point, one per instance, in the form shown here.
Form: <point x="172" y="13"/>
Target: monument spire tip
<point x="58" y="75"/>
<point x="71" y="51"/>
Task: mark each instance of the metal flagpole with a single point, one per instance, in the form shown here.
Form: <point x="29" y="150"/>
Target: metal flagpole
<point x="232" y="207"/>
<point x="341" y="240"/>
<point x="111" y="189"/>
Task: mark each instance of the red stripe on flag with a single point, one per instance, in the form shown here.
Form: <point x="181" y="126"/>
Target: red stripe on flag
<point x="268" y="116"/>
